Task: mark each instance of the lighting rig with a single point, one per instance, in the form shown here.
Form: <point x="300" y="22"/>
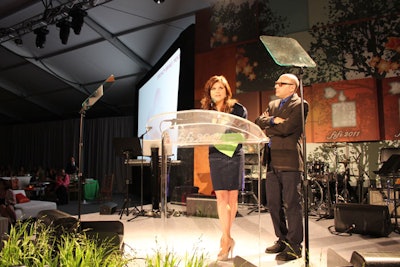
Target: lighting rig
<point x="65" y="16"/>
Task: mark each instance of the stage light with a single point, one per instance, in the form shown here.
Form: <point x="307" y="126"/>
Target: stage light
<point x="159" y="1"/>
<point x="64" y="26"/>
<point x="18" y="41"/>
<point x="41" y="36"/>
<point x="77" y="14"/>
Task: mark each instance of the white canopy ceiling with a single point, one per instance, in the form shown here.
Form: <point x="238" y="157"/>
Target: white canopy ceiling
<point x="120" y="37"/>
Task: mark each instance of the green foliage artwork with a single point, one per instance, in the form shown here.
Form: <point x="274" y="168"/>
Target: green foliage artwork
<point x="238" y="21"/>
<point x="360" y="39"/>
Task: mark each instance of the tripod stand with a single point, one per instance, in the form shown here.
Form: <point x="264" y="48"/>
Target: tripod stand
<point x="127" y="200"/>
<point x="142" y="212"/>
<point x="129" y="148"/>
<point x="343" y="195"/>
<point x="247" y="193"/>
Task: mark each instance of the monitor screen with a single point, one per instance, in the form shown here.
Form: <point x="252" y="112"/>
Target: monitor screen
<point x="160" y="93"/>
<point x="169" y="85"/>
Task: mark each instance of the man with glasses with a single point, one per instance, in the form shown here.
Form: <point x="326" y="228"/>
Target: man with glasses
<point x="282" y="121"/>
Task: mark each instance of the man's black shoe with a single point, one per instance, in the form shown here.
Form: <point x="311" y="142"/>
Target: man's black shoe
<point x="279" y="246"/>
<point x="289" y="254"/>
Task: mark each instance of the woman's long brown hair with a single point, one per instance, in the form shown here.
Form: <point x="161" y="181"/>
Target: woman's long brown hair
<point x="206" y="101"/>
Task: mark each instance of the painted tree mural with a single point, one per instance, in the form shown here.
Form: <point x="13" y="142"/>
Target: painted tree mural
<point x="242" y="22"/>
<point x="233" y="21"/>
<point x="360" y="39"/>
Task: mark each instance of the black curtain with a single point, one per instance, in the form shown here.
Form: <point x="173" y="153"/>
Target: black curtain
<point x="50" y="144"/>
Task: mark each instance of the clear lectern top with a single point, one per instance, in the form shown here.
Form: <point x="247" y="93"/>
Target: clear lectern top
<point x="203" y="127"/>
<point x="190" y="128"/>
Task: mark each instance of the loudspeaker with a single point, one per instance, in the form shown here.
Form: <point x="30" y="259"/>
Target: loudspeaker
<point x="375" y="259"/>
<point x="60" y="221"/>
<point x="362" y="219"/>
<point x="104" y="232"/>
<point x="108" y="208"/>
<point x="240" y="262"/>
<point x="335" y="260"/>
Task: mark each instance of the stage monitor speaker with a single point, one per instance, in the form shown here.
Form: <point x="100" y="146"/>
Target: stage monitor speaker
<point x="108" y="208"/>
<point x="362" y="219"/>
<point x="241" y="262"/>
<point x="61" y="222"/>
<point x="375" y="259"/>
<point x="335" y="260"/>
<point x="105" y="232"/>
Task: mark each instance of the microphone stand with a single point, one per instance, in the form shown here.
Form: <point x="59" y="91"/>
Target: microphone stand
<point x="87" y="104"/>
<point x="80" y="164"/>
<point x="141" y="171"/>
<point x="141" y="211"/>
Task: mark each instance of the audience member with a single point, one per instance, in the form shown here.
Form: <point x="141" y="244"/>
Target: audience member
<point x="21" y="171"/>
<point x="7" y="201"/>
<point x="71" y="167"/>
<point x="40" y="174"/>
<point x="51" y="174"/>
<point x="61" y="187"/>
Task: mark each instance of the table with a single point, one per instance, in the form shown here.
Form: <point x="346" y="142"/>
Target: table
<point x="35" y="191"/>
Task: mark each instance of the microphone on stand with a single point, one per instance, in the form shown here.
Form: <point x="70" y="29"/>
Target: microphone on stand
<point x="212" y="103"/>
<point x="147" y="130"/>
<point x="172" y="121"/>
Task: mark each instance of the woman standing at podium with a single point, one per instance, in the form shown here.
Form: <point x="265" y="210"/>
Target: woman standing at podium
<point x="226" y="171"/>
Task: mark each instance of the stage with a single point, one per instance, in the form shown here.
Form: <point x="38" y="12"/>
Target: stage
<point x="180" y="234"/>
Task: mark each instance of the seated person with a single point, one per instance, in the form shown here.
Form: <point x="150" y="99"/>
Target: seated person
<point x="71" y="167"/>
<point x="61" y="187"/>
<point x="7" y="201"/>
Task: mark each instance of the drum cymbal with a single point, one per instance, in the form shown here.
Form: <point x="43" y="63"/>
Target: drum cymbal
<point x="335" y="145"/>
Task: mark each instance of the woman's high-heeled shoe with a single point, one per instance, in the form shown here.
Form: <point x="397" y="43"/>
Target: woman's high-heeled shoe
<point x="223" y="254"/>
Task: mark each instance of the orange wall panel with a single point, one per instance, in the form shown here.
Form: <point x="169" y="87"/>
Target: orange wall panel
<point x="201" y="175"/>
<point x="391" y="108"/>
<point x="345" y="111"/>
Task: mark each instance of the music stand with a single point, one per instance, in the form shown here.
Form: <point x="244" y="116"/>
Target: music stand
<point x="128" y="147"/>
<point x="288" y="52"/>
<point x="391" y="170"/>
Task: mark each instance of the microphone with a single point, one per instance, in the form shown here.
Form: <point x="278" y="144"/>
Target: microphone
<point x="172" y="121"/>
<point x="212" y="103"/>
<point x="147" y="130"/>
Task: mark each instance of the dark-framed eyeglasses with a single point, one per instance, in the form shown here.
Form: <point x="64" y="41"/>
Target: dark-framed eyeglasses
<point x="280" y="84"/>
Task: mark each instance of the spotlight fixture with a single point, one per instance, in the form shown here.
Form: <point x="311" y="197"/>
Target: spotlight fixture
<point x="64" y="30"/>
<point x="41" y="36"/>
<point x="159" y="1"/>
<point x="77" y="14"/>
<point x="18" y="41"/>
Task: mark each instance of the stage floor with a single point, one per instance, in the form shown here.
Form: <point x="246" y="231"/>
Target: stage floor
<point x="180" y="234"/>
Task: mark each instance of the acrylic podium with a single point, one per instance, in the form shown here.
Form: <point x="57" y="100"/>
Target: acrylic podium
<point x="190" y="128"/>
